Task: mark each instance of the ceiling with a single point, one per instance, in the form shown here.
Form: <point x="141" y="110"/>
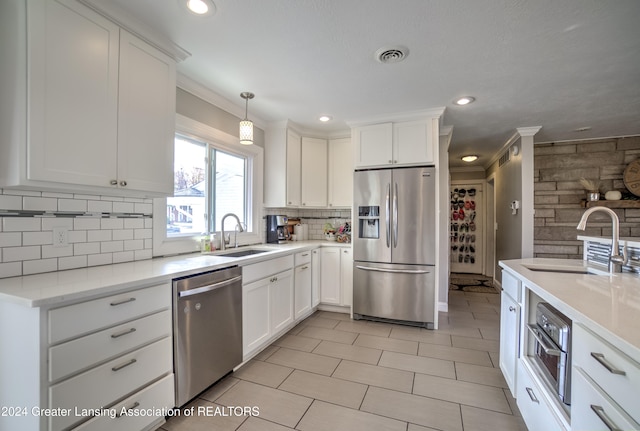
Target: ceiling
<point x="563" y="65"/>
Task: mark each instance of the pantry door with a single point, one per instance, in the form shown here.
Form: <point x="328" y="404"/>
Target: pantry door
<point x="466" y="213"/>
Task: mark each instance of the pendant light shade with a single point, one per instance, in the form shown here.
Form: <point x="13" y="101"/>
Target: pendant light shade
<point x="246" y="126"/>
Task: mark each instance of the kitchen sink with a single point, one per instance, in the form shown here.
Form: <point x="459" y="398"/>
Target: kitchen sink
<point x="558" y="269"/>
<point x="243" y="253"/>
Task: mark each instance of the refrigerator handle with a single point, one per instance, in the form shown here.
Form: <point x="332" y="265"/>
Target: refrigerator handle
<point x="395" y="217"/>
<point x="387" y="212"/>
<point x="395" y="271"/>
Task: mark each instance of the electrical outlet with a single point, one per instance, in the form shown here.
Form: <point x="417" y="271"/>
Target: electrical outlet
<point x="60" y="237"/>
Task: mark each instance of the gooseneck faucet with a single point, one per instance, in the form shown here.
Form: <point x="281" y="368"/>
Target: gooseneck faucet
<point x="615" y="260"/>
<point x="224" y="241"/>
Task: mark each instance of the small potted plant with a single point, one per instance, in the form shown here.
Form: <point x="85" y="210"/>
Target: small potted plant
<point x="329" y="232"/>
<point x="592" y="187"/>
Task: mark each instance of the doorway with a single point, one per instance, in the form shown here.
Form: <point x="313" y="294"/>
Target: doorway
<point x="467" y="227"/>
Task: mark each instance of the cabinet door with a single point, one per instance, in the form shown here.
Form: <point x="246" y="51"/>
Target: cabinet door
<point x="346" y="276"/>
<point x="373" y="145"/>
<point x="293" y="156"/>
<point x="533" y="404"/>
<point x="340" y="173"/>
<point x="281" y="301"/>
<point x="73" y="94"/>
<point x="509" y="339"/>
<point x="314" y="172"/>
<point x="146" y="117"/>
<point x="255" y="315"/>
<point x="302" y="296"/>
<point x="315" y="277"/>
<point x="412" y="143"/>
<point x="330" y="276"/>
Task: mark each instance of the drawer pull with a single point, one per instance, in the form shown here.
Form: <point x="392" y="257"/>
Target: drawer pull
<point x="122" y="301"/>
<point x="305" y="267"/>
<point x="306" y="254"/>
<point x="125" y="332"/>
<point x="119" y="367"/>
<point x="601" y="359"/>
<point x="532" y="395"/>
<point x="599" y="411"/>
<point x="512" y="308"/>
<point x="133" y="406"/>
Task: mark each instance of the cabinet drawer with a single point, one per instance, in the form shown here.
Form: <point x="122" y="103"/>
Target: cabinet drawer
<point x="103" y="385"/>
<point x="511" y="286"/>
<point x="82" y="353"/>
<point x="533" y="404"/>
<point x="617" y="374"/>
<point x="593" y="410"/>
<point x="157" y="396"/>
<point x="302" y="257"/>
<point x="78" y="319"/>
<point x="264" y="269"/>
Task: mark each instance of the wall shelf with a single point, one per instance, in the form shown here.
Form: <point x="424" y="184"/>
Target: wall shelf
<point x="611" y="204"/>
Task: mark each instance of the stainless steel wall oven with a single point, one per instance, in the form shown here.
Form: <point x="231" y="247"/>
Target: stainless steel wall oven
<point x="552" y="348"/>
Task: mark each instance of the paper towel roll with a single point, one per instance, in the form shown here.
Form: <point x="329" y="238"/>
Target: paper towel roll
<point x="298" y="232"/>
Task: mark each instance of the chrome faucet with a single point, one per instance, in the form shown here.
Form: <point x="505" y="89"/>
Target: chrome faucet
<point x="615" y="260"/>
<point x="225" y="240"/>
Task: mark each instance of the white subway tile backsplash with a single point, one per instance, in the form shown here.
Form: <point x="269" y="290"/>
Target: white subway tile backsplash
<point x="57" y="195"/>
<point x="77" y="205"/>
<point x="111" y="246"/>
<point x="21" y="224"/>
<point x="99" y="235"/>
<point x="37" y="238"/>
<point x="143" y="233"/>
<point x="39" y="266"/>
<point x="86" y="223"/>
<point x="10" y="239"/>
<point x="99" y="259"/>
<point x="143" y="208"/>
<point x="15" y="254"/>
<point x="134" y="223"/>
<point x="111" y="223"/>
<point x="77" y="236"/>
<point x="124" y="256"/>
<point x="143" y="254"/>
<point x="134" y="244"/>
<point x="12" y="269"/>
<point x="51" y="251"/>
<point x="86" y="248"/>
<point x="21" y="192"/>
<point x="94" y="206"/>
<point x="122" y="234"/>
<point x="39" y="204"/>
<point x="10" y="202"/>
<point x="72" y="262"/>
<point x="123" y="207"/>
<point x="48" y="223"/>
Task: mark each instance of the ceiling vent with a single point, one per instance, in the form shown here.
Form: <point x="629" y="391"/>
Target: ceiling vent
<point x="392" y="55"/>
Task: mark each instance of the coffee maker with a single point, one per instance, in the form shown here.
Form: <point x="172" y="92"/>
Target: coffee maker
<point x="277" y="229"/>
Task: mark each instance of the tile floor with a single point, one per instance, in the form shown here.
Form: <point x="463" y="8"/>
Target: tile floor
<point x="332" y="373"/>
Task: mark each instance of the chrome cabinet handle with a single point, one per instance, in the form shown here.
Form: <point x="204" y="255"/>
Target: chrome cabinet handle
<point x="133" y="406"/>
<point x="125" y="365"/>
<point x="123" y="301"/>
<point x="125" y="332"/>
<point x="512" y="308"/>
<point x="532" y="395"/>
<point x="306" y="254"/>
<point x="123" y="183"/>
<point x="612" y="369"/>
<point x="113" y="182"/>
<point x="548" y="349"/>
<point x="305" y="267"/>
<point x="602" y="415"/>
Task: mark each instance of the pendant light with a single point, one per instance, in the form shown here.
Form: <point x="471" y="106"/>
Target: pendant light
<point x="246" y="126"/>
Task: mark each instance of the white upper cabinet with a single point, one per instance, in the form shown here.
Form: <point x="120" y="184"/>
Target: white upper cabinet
<point x="293" y="171"/>
<point x="282" y="158"/>
<point x="397" y="143"/>
<point x="340" y="173"/>
<point x="91" y="107"/>
<point x="314" y="172"/>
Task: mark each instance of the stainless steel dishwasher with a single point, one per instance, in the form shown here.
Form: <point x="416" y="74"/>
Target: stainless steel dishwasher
<point x="207" y="328"/>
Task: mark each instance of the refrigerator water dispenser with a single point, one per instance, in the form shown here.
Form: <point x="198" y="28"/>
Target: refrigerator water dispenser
<point x="369" y="222"/>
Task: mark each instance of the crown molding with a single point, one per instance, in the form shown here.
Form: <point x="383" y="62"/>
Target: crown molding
<point x="399" y="116"/>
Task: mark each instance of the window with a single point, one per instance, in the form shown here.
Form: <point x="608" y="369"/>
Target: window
<point x="213" y="175"/>
<point x="200" y="201"/>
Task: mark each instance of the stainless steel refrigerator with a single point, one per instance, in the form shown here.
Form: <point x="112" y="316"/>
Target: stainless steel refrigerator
<point x="394" y="245"/>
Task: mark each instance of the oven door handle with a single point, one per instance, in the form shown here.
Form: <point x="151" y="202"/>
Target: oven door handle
<point x="539" y="336"/>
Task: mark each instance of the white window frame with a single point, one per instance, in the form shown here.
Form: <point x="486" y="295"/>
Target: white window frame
<point x="163" y="245"/>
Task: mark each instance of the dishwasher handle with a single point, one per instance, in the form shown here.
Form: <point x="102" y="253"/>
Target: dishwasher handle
<point x="208" y="288"/>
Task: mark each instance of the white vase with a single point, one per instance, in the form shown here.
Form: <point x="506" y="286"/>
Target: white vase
<point x="613" y="195"/>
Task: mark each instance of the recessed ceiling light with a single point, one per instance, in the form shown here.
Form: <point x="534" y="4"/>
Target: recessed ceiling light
<point x="470" y="158"/>
<point x="464" y="100"/>
<point x="200" y="7"/>
<point x="325" y="118"/>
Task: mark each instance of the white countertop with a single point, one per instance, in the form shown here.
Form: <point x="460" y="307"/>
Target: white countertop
<point x="608" y="304"/>
<point x="55" y="288"/>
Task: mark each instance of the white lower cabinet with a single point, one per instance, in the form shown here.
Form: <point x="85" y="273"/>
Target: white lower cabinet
<point x="346" y="276"/>
<point x="533" y="404"/>
<point x="267" y="302"/>
<point x="336" y="279"/>
<point x="315" y="277"/>
<point x="303" y="275"/>
<point x="510" y="328"/>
